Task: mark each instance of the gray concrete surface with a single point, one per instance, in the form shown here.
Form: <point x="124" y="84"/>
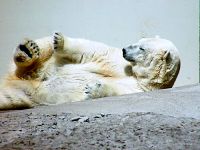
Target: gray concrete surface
<point x="164" y="119"/>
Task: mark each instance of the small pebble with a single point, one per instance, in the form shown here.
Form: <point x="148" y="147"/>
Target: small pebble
<point x="75" y="118"/>
<point x="97" y="116"/>
<point x="83" y="119"/>
<point x="80" y="119"/>
<point x="61" y="117"/>
<point x="55" y="115"/>
<point x="102" y="115"/>
<point x="54" y="123"/>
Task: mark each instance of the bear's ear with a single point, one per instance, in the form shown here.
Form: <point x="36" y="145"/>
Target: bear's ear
<point x="168" y="58"/>
<point x="166" y="54"/>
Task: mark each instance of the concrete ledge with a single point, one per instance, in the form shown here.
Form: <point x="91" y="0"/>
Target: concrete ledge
<point x="164" y="119"/>
<point x="177" y="102"/>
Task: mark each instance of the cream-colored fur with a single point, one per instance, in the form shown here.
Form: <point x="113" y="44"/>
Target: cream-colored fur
<point x="62" y="69"/>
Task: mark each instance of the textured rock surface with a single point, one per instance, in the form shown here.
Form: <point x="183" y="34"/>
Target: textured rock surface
<point x="111" y="123"/>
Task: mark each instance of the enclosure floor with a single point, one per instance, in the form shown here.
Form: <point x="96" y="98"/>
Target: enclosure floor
<point x="164" y="119"/>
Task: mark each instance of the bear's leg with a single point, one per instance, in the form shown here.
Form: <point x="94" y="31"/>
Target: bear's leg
<point x="62" y="55"/>
<point x="79" y="50"/>
<point x="28" y="58"/>
<point x="11" y="98"/>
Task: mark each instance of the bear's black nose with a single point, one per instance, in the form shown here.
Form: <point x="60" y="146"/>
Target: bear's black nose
<point x="124" y="51"/>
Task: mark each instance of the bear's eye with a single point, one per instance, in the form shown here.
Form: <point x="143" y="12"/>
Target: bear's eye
<point x="142" y="49"/>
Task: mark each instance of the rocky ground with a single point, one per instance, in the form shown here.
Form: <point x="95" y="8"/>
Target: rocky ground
<point x="110" y="123"/>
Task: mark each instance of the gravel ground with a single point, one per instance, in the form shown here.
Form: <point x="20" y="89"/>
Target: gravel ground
<point x="98" y="131"/>
<point x="164" y="119"/>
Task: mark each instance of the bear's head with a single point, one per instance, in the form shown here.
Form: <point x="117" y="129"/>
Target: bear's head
<point x="155" y="62"/>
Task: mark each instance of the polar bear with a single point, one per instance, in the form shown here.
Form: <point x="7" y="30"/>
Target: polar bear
<point x="63" y="69"/>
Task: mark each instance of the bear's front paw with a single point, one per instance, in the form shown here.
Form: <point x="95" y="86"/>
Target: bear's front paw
<point x="26" y="53"/>
<point x="93" y="90"/>
<point x="58" y="42"/>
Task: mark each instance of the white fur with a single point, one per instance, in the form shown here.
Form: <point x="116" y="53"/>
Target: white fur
<point x="84" y="69"/>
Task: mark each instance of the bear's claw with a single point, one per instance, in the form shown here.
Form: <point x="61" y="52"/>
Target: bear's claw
<point x="58" y="41"/>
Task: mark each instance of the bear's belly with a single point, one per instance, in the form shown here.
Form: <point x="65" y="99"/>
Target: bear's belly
<point x="64" y="88"/>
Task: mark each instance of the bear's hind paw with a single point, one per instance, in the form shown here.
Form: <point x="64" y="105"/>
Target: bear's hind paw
<point x="26" y="53"/>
